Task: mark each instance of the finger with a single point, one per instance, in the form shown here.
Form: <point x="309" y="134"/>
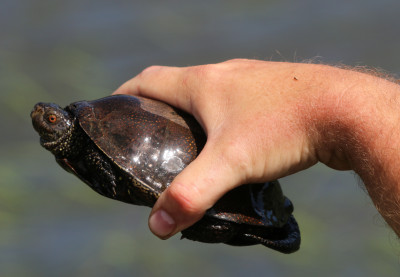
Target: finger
<point x="167" y="84"/>
<point x="193" y="191"/>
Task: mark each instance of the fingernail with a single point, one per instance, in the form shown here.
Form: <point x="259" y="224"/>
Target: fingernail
<point x="161" y="224"/>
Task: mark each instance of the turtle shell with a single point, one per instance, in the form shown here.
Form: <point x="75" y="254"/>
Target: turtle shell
<point x="153" y="142"/>
<point x="145" y="138"/>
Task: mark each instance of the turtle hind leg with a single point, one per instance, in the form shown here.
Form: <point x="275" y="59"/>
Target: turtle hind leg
<point x="285" y="240"/>
<point x="210" y="230"/>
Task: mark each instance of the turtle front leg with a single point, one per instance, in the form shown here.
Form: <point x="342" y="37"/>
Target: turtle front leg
<point x="101" y="173"/>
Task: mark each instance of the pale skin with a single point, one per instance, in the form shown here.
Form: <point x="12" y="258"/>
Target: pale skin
<point x="266" y="120"/>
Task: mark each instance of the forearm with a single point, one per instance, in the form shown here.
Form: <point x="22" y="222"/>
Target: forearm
<point x="360" y="124"/>
<point x="376" y="158"/>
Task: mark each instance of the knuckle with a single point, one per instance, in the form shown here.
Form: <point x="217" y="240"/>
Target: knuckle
<point x="235" y="154"/>
<point x="212" y="73"/>
<point x="196" y="82"/>
<point x="240" y="158"/>
<point x="150" y="70"/>
<point x="237" y="60"/>
<point x="206" y="74"/>
<point x="185" y="198"/>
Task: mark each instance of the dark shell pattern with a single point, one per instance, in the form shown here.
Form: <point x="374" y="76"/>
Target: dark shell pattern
<point x="151" y="146"/>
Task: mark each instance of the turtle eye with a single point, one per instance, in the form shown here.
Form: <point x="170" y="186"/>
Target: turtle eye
<point x="52" y="118"/>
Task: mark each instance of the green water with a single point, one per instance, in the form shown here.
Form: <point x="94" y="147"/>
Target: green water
<point x="51" y="224"/>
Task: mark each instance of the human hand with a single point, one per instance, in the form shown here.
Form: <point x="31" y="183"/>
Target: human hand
<point x="263" y="120"/>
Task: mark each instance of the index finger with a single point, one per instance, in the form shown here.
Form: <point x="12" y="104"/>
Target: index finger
<point x="167" y="84"/>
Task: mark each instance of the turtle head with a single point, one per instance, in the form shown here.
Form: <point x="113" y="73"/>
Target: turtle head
<point x="51" y="122"/>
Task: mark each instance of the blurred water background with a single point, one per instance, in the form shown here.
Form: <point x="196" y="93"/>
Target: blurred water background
<point x="51" y="224"/>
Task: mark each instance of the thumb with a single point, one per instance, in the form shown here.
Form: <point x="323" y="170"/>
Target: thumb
<point x="193" y="191"/>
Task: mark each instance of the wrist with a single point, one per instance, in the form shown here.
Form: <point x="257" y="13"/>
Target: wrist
<point x="359" y="118"/>
<point x="358" y="128"/>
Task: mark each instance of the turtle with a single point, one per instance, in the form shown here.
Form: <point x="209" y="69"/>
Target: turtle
<point x="130" y="148"/>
